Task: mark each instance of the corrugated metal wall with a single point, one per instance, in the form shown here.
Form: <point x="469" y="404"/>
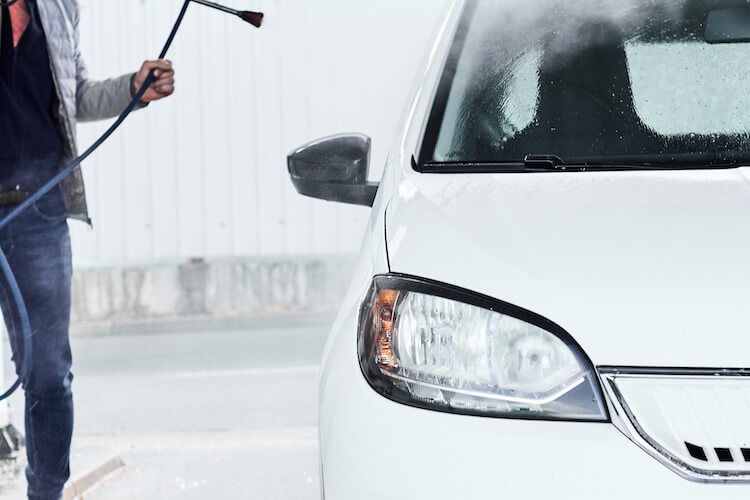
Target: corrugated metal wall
<point x="203" y="174"/>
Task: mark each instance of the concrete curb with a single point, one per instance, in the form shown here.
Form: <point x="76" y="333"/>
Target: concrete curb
<point x="180" y="325"/>
<point x="79" y="485"/>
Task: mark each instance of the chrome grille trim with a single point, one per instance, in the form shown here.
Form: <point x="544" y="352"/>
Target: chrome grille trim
<point x="628" y="424"/>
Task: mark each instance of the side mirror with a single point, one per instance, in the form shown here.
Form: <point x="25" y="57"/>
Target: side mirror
<point x="334" y="169"/>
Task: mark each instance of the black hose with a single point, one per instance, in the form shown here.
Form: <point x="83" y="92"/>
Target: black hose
<point x="10" y="278"/>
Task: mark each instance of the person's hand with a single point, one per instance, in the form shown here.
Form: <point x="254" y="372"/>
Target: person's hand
<point x="163" y="84"/>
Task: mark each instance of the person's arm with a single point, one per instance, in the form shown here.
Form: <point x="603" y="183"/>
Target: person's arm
<point x="98" y="100"/>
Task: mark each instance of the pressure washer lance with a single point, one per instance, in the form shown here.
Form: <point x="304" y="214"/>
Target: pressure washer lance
<point x="254" y="18"/>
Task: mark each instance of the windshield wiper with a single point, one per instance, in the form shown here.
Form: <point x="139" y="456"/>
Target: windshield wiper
<point x="547" y="162"/>
<point x="531" y="163"/>
<point x="553" y="163"/>
<point x="544" y="162"/>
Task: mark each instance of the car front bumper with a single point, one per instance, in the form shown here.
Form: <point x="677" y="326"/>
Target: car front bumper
<point x="373" y="448"/>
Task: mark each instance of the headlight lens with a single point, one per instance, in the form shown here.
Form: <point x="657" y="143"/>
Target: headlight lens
<point x="435" y="346"/>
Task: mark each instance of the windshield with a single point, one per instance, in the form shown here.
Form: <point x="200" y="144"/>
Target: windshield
<point x="593" y="82"/>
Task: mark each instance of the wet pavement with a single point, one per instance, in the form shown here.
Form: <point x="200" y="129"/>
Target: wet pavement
<point x="223" y="414"/>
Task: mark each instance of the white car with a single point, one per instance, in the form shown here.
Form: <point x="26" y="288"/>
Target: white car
<point x="553" y="294"/>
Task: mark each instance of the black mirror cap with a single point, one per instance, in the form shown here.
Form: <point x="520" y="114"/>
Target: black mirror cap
<point x="335" y="169"/>
<point x="337" y="158"/>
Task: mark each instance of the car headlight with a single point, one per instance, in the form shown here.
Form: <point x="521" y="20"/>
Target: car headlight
<point x="439" y="347"/>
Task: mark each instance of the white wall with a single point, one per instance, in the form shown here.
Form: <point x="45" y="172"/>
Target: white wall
<point x="203" y="174"/>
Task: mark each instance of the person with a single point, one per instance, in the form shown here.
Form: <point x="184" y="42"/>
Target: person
<point x="44" y="89"/>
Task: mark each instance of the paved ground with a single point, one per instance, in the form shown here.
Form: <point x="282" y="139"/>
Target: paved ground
<point x="222" y="414"/>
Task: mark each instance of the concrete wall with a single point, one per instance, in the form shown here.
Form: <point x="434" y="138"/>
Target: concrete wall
<point x="209" y="290"/>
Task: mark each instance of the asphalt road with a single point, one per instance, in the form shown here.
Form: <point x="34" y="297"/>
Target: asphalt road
<point x="195" y="415"/>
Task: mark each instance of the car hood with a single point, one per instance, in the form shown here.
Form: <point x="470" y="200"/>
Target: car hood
<point x="641" y="268"/>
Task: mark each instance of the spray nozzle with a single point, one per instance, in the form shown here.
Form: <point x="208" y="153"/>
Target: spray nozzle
<point x="254" y="18"/>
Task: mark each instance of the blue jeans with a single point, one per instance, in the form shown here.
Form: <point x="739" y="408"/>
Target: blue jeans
<point x="37" y="245"/>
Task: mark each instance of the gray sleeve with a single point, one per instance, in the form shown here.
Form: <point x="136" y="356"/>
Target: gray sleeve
<point x="98" y="100"/>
